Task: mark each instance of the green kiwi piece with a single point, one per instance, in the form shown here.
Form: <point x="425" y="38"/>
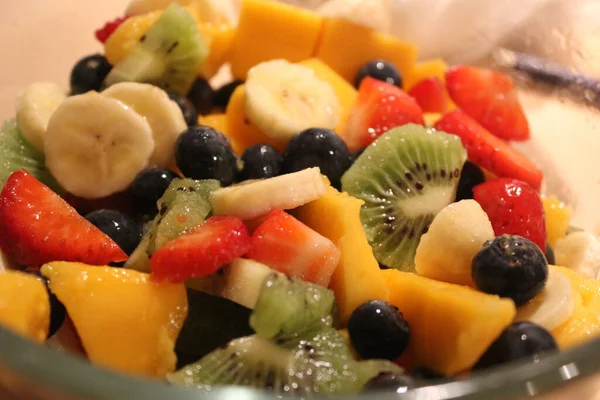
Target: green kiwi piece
<point x="168" y="55"/>
<point x="17" y="153"/>
<point x="405" y="178"/>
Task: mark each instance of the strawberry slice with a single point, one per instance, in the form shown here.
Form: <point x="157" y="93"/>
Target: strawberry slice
<point x="108" y="29"/>
<point x="218" y="241"/>
<point x="490" y="98"/>
<point x="378" y="108"/>
<point x="489" y="152"/>
<point x="37" y="226"/>
<point x="287" y="245"/>
<point x="431" y="95"/>
<point x="513" y="207"/>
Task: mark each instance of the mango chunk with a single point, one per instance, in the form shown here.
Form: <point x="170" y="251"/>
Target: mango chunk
<point x="346" y="46"/>
<point x="451" y="326"/>
<point x="270" y="30"/>
<point x="216" y="121"/>
<point x="558" y="218"/>
<point x="357" y="278"/>
<point x="425" y="69"/>
<point x="220" y="42"/>
<point x="24" y="305"/>
<point x="126" y="322"/>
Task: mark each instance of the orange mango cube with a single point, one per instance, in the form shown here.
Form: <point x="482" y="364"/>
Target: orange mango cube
<point x="425" y="69"/>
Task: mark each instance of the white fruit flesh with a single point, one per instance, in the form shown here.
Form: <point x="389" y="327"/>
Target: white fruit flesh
<point x="244" y="280"/>
<point x="579" y="251"/>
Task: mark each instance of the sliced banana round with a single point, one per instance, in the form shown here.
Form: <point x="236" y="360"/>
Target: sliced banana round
<point x="283" y="99"/>
<point x="95" y="146"/>
<point x="163" y="115"/>
<point x="35" y="106"/>
<point x="553" y="306"/>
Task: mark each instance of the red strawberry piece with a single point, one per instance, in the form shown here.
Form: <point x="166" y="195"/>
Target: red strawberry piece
<point x="489" y="152"/>
<point x="513" y="207"/>
<point x="104" y="33"/>
<point x="37" y="226"/>
<point x="218" y="241"/>
<point x="287" y="245"/>
<point x="378" y="108"/>
<point x="431" y="95"/>
<point x="490" y="98"/>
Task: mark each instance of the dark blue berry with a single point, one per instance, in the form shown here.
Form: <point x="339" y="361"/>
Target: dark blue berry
<point x="316" y="147"/>
<point x="390" y="381"/>
<point x="187" y="108"/>
<point x="121" y="228"/>
<point x="519" y="341"/>
<point x="510" y="266"/>
<point x="203" y="153"/>
<point x="470" y="176"/>
<point x="89" y="73"/>
<point x="378" y="330"/>
<point x="202" y="95"/>
<point x="260" y="161"/>
<point x="149" y="186"/>
<point x="550" y="254"/>
<point x="57" y="309"/>
<point x="381" y="70"/>
<point x="223" y="94"/>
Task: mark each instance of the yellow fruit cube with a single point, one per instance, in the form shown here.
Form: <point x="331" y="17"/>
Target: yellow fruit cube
<point x="357" y="277"/>
<point x="425" y="69"/>
<point x="558" y="218"/>
<point x="126" y="321"/>
<point x="216" y="121"/>
<point x="219" y="39"/>
<point x="450" y="325"/>
<point x="24" y="305"/>
<point x="270" y="30"/>
<point x="345" y="92"/>
<point x="346" y="47"/>
<point x="431" y="118"/>
<point x="127" y="35"/>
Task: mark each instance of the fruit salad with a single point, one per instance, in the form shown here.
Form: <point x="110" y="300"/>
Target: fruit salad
<point x="336" y="217"/>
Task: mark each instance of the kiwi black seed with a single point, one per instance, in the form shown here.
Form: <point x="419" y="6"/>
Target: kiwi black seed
<point x="405" y="178"/>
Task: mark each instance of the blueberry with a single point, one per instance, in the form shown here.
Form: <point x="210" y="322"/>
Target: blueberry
<point x="203" y="153"/>
<point x="187" y="108"/>
<point x="377" y="329"/>
<point x="390" y="381"/>
<point x="470" y="177"/>
<point x="223" y="94"/>
<point x="121" y="228"/>
<point x="379" y="69"/>
<point x="89" y="73"/>
<point x="519" y="341"/>
<point x="57" y="309"/>
<point x="201" y="95"/>
<point x="550" y="254"/>
<point x="260" y="161"/>
<point x="316" y="147"/>
<point x="510" y="266"/>
<point x="149" y="186"/>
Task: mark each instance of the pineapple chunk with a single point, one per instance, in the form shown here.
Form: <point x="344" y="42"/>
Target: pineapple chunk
<point x="558" y="218"/>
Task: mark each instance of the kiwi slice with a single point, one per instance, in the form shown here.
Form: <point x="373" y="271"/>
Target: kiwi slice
<point x="405" y="178"/>
<point x="169" y="55"/>
<point x="17" y="153"/>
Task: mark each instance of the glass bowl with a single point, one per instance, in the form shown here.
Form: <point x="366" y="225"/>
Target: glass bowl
<point x="44" y="39"/>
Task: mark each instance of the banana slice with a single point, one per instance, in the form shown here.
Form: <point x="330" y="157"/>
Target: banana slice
<point x="95" y="145"/>
<point x="255" y="198"/>
<point x="553" y="306"/>
<point x="35" y="106"/>
<point x="162" y="114"/>
<point x="283" y="99"/>
<point x="579" y="251"/>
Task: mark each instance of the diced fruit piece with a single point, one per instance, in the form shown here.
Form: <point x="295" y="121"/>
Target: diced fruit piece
<point x="216" y="121"/>
<point x="489" y="152"/>
<point x="381" y="70"/>
<point x="346" y="47"/>
<point x="462" y="314"/>
<point x="356" y="279"/>
<point x="405" y="178"/>
<point x="260" y="161"/>
<point x="127" y="35"/>
<point x="149" y="186"/>
<point x="431" y="118"/>
<point x="287" y="245"/>
<point x="513" y="208"/>
<point x="579" y="251"/>
<point x="107" y="30"/>
<point x="378" y="108"/>
<point x="425" y="69"/>
<point x="89" y="74"/>
<point x="244" y="280"/>
<point x="37" y="226"/>
<point x="558" y="218"/>
<point x="204" y="250"/>
<point x="253" y="199"/>
<point x="430" y="95"/>
<point x="455" y="236"/>
<point x="220" y="38"/>
<point x="24" y="305"/>
<point x="130" y="324"/>
<point x="490" y="98"/>
<point x="259" y="35"/>
<point x="345" y="93"/>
